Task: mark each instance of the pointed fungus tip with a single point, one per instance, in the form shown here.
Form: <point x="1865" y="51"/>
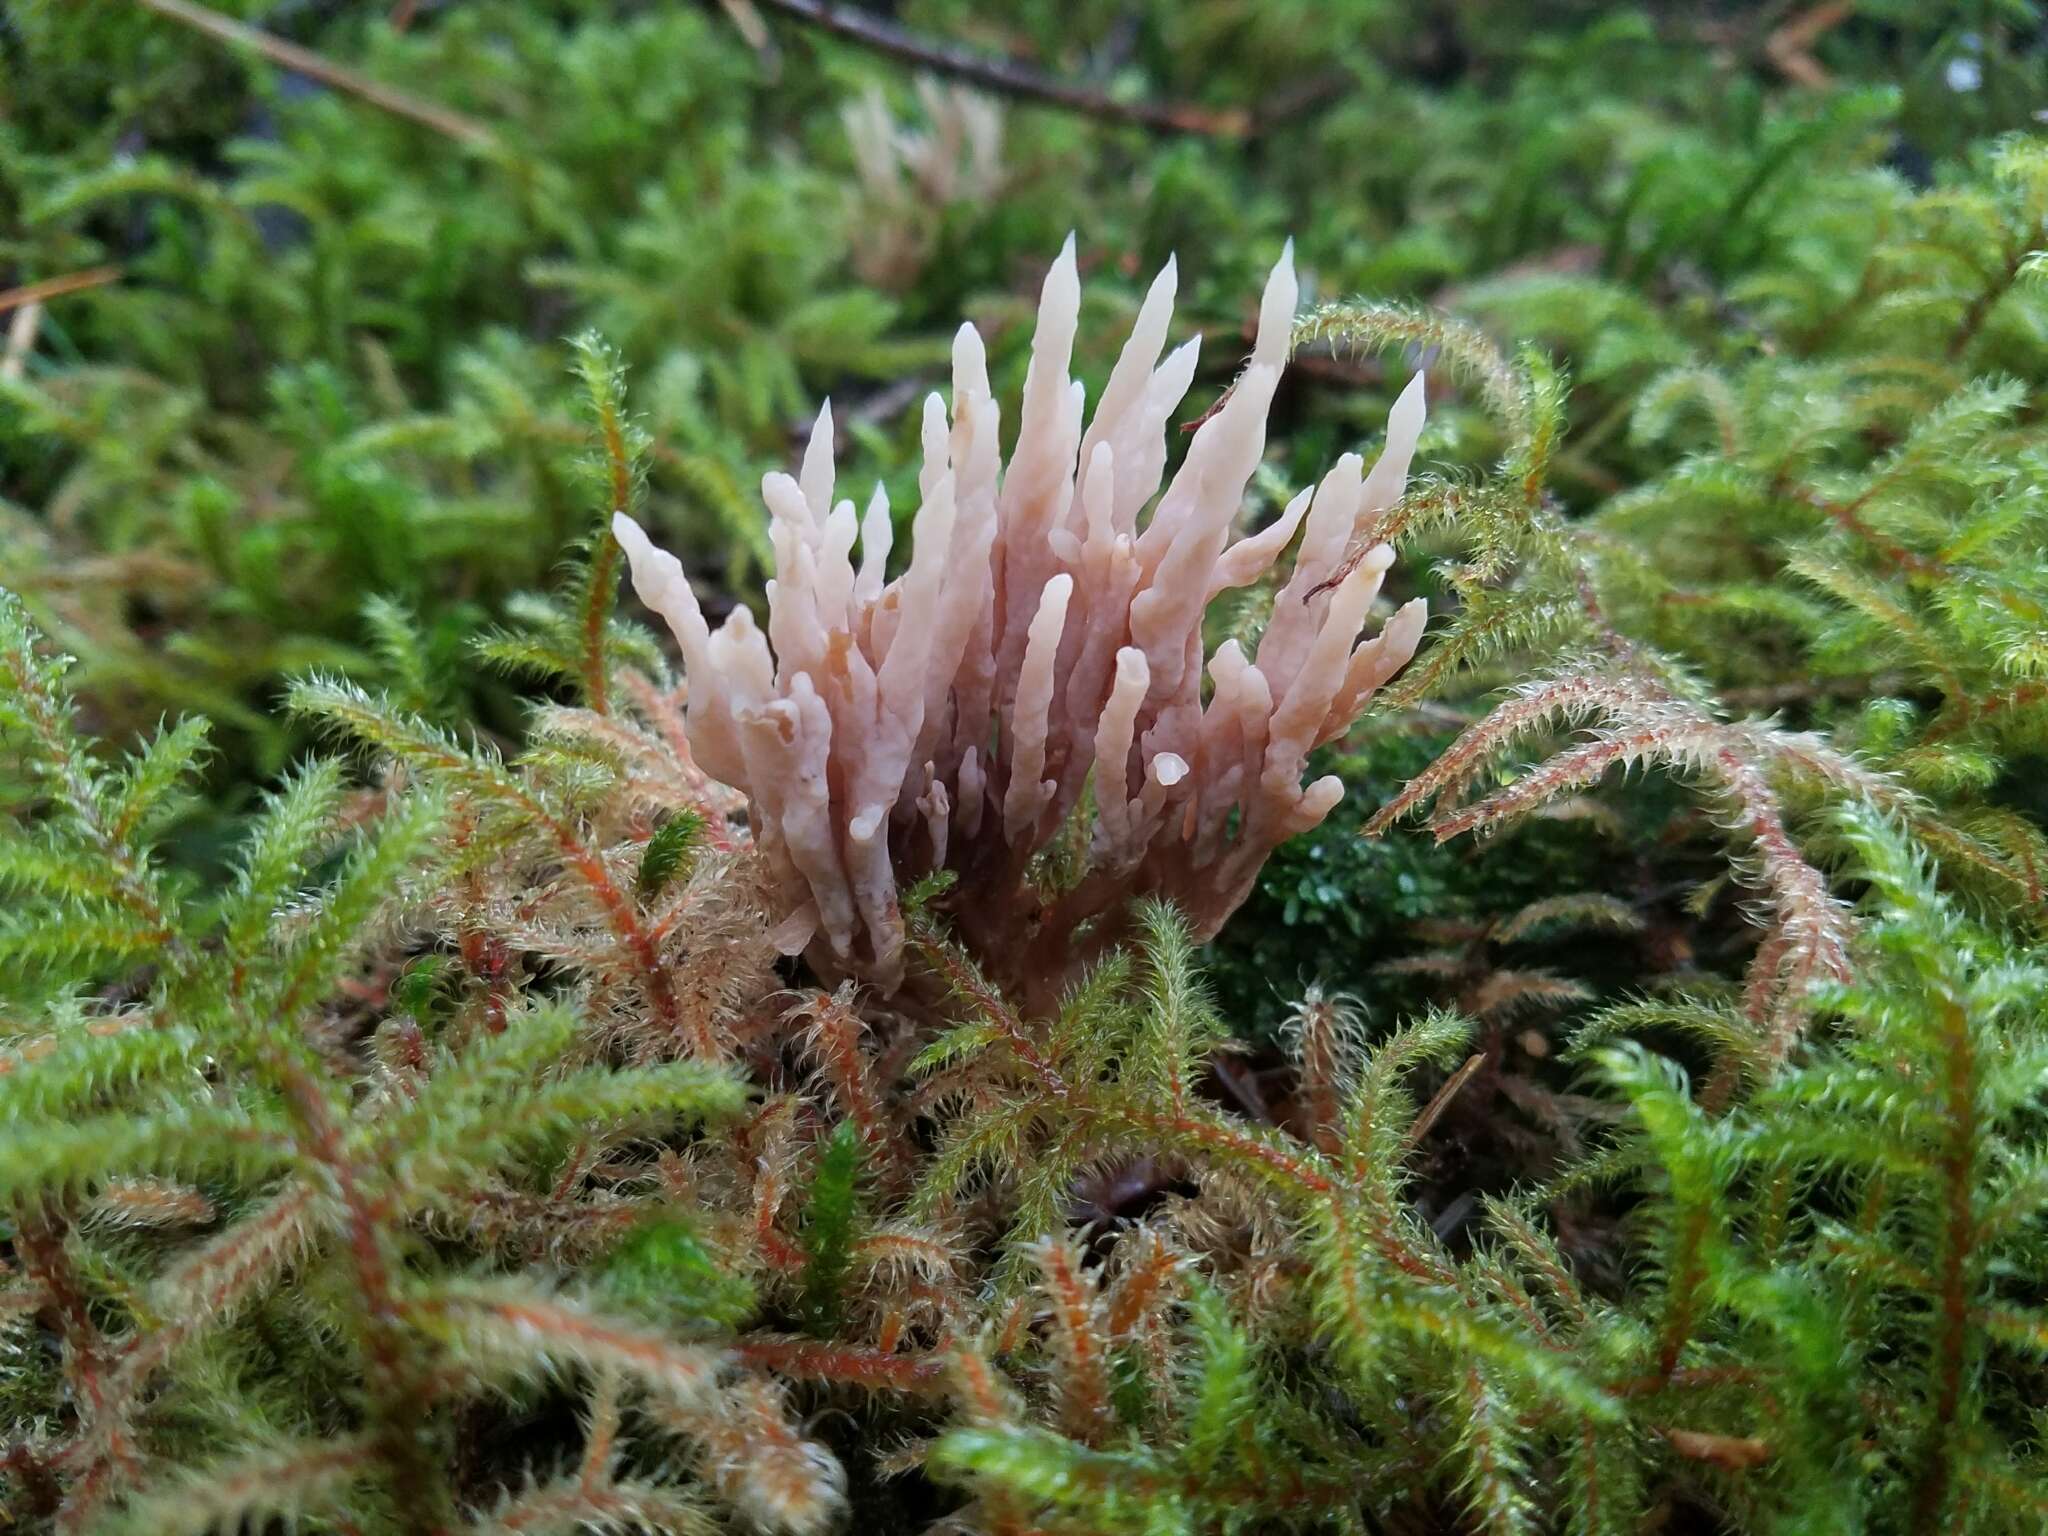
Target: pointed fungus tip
<point x="1166" y="283"/>
<point x="1281" y="280"/>
<point x="1405" y="421"/>
<point x="1276" y="311"/>
<point x="1412" y="405"/>
<point x="1064" y="279"/>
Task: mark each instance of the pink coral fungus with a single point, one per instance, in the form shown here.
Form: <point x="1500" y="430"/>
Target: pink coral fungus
<point x="1045" y="636"/>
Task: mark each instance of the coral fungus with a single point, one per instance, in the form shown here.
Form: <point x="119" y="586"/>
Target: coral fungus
<point x="1044" y="636"/>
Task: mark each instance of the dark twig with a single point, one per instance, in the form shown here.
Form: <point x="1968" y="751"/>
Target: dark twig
<point x="1009" y="77"/>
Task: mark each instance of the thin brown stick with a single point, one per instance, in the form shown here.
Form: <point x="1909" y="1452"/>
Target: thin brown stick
<point x="1007" y="76"/>
<point x="444" y="121"/>
<point x="56" y="287"/>
<point x="1790" y="48"/>
<point x="1436" y="1106"/>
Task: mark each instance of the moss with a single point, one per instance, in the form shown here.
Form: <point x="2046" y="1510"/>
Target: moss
<point x="405" y="1120"/>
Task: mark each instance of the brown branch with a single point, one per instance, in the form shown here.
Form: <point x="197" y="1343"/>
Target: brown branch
<point x="1007" y="76"/>
<point x="1790" y="48"/>
<point x="303" y="61"/>
<point x="56" y="287"/>
<point x="1436" y="1106"/>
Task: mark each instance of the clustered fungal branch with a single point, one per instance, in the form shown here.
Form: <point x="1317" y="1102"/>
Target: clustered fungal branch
<point x="1042" y="651"/>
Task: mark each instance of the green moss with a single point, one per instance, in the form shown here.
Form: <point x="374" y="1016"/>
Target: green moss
<point x="360" y="1113"/>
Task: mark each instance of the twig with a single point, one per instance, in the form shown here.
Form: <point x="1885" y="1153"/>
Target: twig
<point x="56" y="287"/>
<point x="1007" y="76"/>
<point x="303" y="61"/>
<point x="1790" y="47"/>
<point x="1436" y="1106"/>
